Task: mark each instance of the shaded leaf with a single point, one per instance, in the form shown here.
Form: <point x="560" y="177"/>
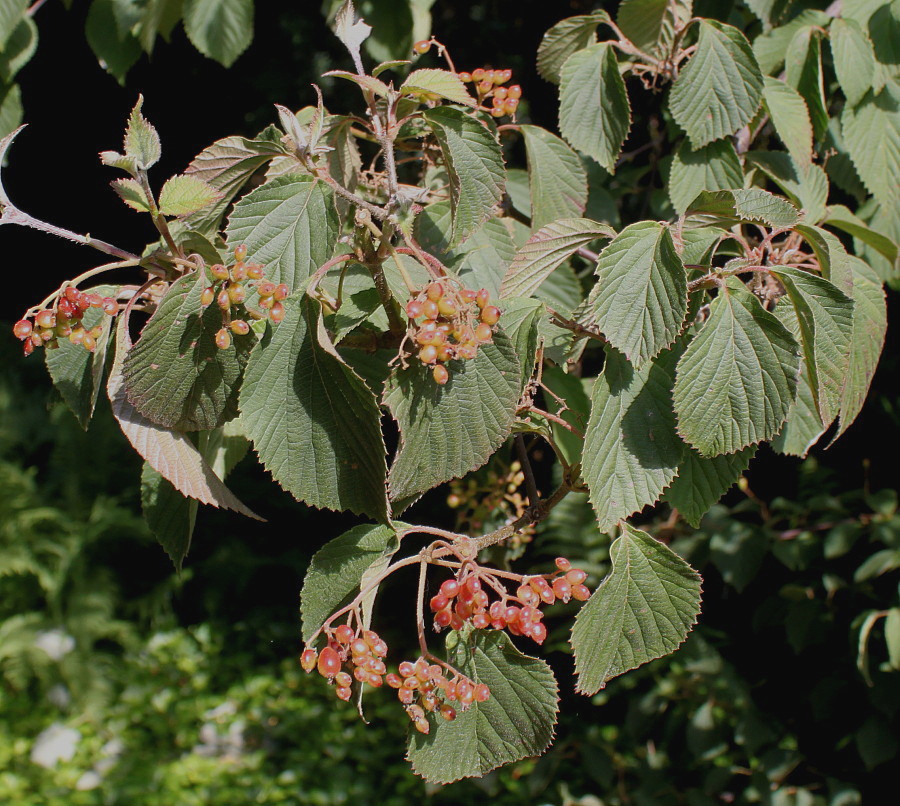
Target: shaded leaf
<point x="790" y="117"/>
<point x="170" y="516"/>
<point x="713" y="167"/>
<point x="219" y="29"/>
<point x="803" y="71"/>
<point x="703" y="480"/>
<point x="854" y="58"/>
<point x="872" y="135"/>
<point x="651" y="24"/>
<point x="558" y="182"/>
<point x="565" y="38"/>
<point x="805" y="186"/>
<point x="730" y="207"/>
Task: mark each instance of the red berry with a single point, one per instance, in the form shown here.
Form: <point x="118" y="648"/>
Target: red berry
<point x="344" y="693"/>
<point x="413" y="309"/>
<point x="538" y="633"/>
<point x="22" y="329"/>
<point x="502" y="76"/>
<point x="498" y="111"/>
<point x="240" y="252"/>
<point x="343" y="679"/>
<point x="359" y="647"/>
<point x="406" y="669"/>
<point x="434" y="291"/>
<point x="239" y="327"/>
<point x="308" y="659"/>
<point x="484" y="333"/>
<point x="206" y="298"/>
<point x="223" y="300"/>
<point x="442" y="620"/>
<point x="223" y="339"/>
<point x="440" y="374"/>
<point x="218" y="271"/>
<point x="380" y="648"/>
<point x="464" y="77"/>
<point x="236" y="293"/>
<point x="465" y="692"/>
<point x="282" y="291"/>
<point x="562" y="588"/>
<point x="238" y="272"/>
<point x="393" y="680"/>
<point x="406" y="695"/>
<point x="514" y="91"/>
<point x="67" y="309"/>
<point x="255" y="271"/>
<point x="422" y="46"/>
<point x="563" y="564"/>
<point x="448" y="712"/>
<point x="430" y="309"/>
<point x="45" y="319"/>
<point x="343" y="634"/>
<point x="28" y="347"/>
<point x="482" y="692"/>
<point x="490" y="315"/>
<point x="428" y="354"/>
<point x="483" y="297"/>
<point x="276" y="314"/>
<point x="581" y="593"/>
<point x="94" y="300"/>
<point x="329" y="663"/>
<point x="438" y="602"/>
<point x="576" y="576"/>
<point x="76" y="336"/>
<point x="450" y="587"/>
<point x="266" y="289"/>
<point x="478" y="74"/>
<point x="481" y="621"/>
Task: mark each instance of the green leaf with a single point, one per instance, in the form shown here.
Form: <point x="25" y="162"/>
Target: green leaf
<point x="168" y="452"/>
<point x="474" y="162"/>
<point x="651" y="24"/>
<point x="839" y="217"/>
<point x="131" y="192"/>
<point x="182" y="195"/>
<point x="631" y="450"/>
<point x="338" y="568"/>
<point x="227" y="165"/>
<point x="443" y="434"/>
<point x="872" y="135"/>
<point x="565" y="38"/>
<point x="738" y="377"/>
<point x="833" y="258"/>
<point x="790" y="117"/>
<point x="170" y="516"/>
<point x="219" y="29"/>
<point x="114" y="45"/>
<point x="805" y="186"/>
<point x="643" y="610"/>
<point x="557" y="178"/>
<point x="156" y="17"/>
<point x="76" y="373"/>
<point x="594" y="112"/>
<point x="176" y="375"/>
<point x="892" y="636"/>
<point x="290" y="225"/>
<point x="314" y="423"/>
<point x="702" y="480"/>
<point x="141" y="140"/>
<point x="19" y="49"/>
<point x="521" y="322"/>
<point x="803" y="71"/>
<point x="884" y="32"/>
<point x="10" y="109"/>
<point x="11" y="14"/>
<point x="546" y="250"/>
<point x="854" y="58"/>
<point x="642" y="291"/>
<point x="517" y="720"/>
<point x="770" y="47"/>
<point x="730" y="207"/>
<point x="869" y="327"/>
<point x="441" y="83"/>
<point x="720" y="89"/>
<point x="713" y="167"/>
<point x="825" y="316"/>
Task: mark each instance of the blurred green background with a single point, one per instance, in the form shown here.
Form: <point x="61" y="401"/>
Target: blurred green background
<point x="124" y="683"/>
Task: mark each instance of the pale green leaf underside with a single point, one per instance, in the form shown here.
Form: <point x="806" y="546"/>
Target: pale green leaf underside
<point x="516" y="722"/>
<point x="170" y="516"/>
<point x="314" y="423"/>
<point x="219" y="29"/>
<point x="854" y="58"/>
<point x="594" y="112"/>
<point x="713" y="167"/>
<point x="751" y="204"/>
<point x="644" y="609"/>
<point x="448" y="431"/>
<point x="131" y="192"/>
<point x="703" y="480"/>
<point x="141" y="140"/>
<point x="175" y="374"/>
<point x="289" y="225"/>
<point x="336" y="570"/>
<point x="738" y="377"/>
<point x="806" y="186"/>
<point x="631" y="450"/>
<point x="872" y="135"/>
<point x="565" y="38"/>
<point x="557" y="178"/>
<point x="474" y="162"/>
<point x="546" y="250"/>
<point x="641" y="296"/>
<point x="720" y="88"/>
<point x="186" y="194"/>
<point x="790" y="117"/>
<point x="437" y="82"/>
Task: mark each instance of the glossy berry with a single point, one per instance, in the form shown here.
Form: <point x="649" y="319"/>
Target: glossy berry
<point x="240" y="252"/>
<point x="576" y="576"/>
<point x="308" y="659"/>
<point x="450" y="588"/>
<point x="434" y="291"/>
<point x="344" y="693"/>
<point x="581" y="593"/>
<point x="343" y="679"/>
<point x="239" y="327"/>
<point x="329" y="663"/>
<point x="440" y="374"/>
<point x="223" y="300"/>
<point x="281" y="292"/>
<point x="218" y="271"/>
<point x="22" y="329"/>
<point x="344" y="633"/>
<point x="428" y="354"/>
<point x="448" y="712"/>
<point x="464" y="77"/>
<point x="483" y="332"/>
<point x="276" y="314"/>
<point x="223" y="339"/>
<point x="482" y="693"/>
<point x="111" y="307"/>
<point x="483" y="297"/>
<point x="207" y="296"/>
<point x="255" y="271"/>
<point x="414" y="309"/>
<point x="266" y="289"/>
<point x="514" y="92"/>
<point x="563" y="564"/>
<point x="490" y="315"/>
<point x="45" y="319"/>
<point x="238" y="272"/>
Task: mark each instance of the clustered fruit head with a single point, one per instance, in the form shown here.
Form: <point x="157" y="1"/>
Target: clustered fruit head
<point x="229" y="292"/>
<point x="489" y="84"/>
<point x="465" y="599"/>
<point x="63" y="320"/>
<point x="454" y="323"/>
<point x="421" y="687"/>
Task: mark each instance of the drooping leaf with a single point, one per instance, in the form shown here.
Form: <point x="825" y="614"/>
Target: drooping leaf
<point x="557" y="179"/>
<point x="170" y="516"/>
<point x="131" y="192"/>
<point x="182" y="195"/>
<point x="219" y="29"/>
<point x="546" y="250"/>
<point x="839" y="217"/>
<point x="19" y="49"/>
<point x="11" y="13"/>
<point x="644" y="609"/>
<point x="631" y="450"/>
<point x="474" y="163"/>
<point x="441" y="83"/>
<point x="175" y="375"/>
<point x="720" y="88"/>
<point x="869" y="326"/>
<point x="833" y="258"/>
<point x="806" y="186"/>
<point x="314" y="423"/>
<point x="565" y="38"/>
<point x="728" y="207"/>
<point x="738" y="377"/>
<point x="651" y="24"/>
<point x="803" y="71"/>
<point x="703" y="480"/>
<point x="790" y="117"/>
<point x="641" y="296"/>
<point x="169" y="452"/>
<point x="594" y="112"/>
<point x="337" y="569"/>
<point x="872" y="134"/>
<point x="290" y="225"/>
<point x="770" y="47"/>
<point x="141" y="140"/>
<point x="516" y="721"/>
<point x="713" y="167"/>
<point x="350" y="29"/>
<point x="443" y="433"/>
<point x="825" y="316"/>
<point x="854" y="58"/>
<point x="114" y="45"/>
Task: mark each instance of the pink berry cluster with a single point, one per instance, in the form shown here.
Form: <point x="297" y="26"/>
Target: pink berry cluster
<point x="64" y="321"/>
<point x="421" y="687"/>
<point x="229" y="291"/>
<point x="488" y="85"/>
<point x="466" y="600"/>
<point x="454" y="323"/>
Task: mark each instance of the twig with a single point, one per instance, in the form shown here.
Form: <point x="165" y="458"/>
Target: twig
<point x="530" y="484"/>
